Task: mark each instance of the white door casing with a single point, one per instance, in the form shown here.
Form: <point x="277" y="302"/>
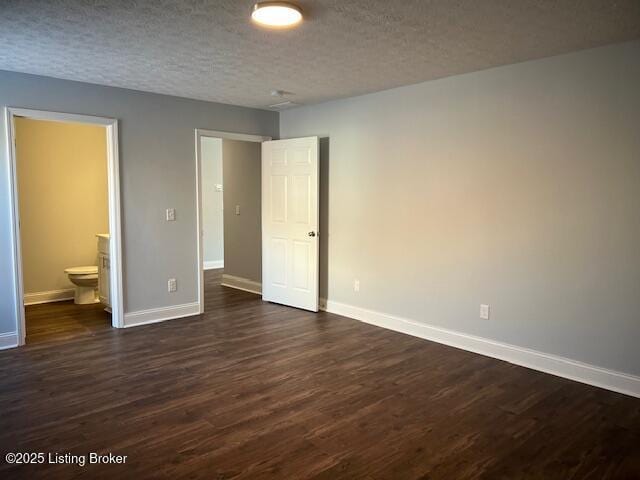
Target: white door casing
<point x="290" y="216"/>
<point x="116" y="293"/>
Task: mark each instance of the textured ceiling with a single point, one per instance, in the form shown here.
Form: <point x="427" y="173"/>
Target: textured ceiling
<point x="208" y="49"/>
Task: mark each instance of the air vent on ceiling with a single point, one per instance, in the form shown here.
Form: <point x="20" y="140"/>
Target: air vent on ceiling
<point x="284" y="105"/>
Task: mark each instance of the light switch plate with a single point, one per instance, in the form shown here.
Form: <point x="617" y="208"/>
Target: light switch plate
<point x="171" y="214"/>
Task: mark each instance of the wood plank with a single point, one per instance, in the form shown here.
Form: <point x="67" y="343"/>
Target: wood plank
<point x="257" y="390"/>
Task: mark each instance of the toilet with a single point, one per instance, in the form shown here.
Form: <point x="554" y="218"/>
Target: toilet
<point x="86" y="281"/>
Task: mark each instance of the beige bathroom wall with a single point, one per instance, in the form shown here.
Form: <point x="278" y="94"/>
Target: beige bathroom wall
<point x="62" y="180"/>
<point x="242" y="187"/>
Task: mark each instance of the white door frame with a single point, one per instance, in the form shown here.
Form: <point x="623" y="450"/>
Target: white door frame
<point x="200" y="132"/>
<point x="113" y="179"/>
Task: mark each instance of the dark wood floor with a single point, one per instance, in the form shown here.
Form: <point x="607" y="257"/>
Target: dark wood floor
<point x="62" y="321"/>
<point x="256" y="390"/>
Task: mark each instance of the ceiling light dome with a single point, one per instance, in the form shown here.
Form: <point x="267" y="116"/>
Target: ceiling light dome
<point x="276" y="14"/>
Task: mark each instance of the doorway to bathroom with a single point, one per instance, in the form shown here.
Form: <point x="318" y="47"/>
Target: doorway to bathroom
<point x="66" y="223"/>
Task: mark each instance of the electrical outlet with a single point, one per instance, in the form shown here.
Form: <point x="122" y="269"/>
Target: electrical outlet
<point x="171" y="214"/>
<point x="172" y="285"/>
<point x="484" y="312"/>
<point x="237" y="209"/>
<point x="356" y="285"/>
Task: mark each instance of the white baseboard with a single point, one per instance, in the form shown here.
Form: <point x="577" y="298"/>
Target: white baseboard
<point x="544" y="362"/>
<point x="155" y="315"/>
<point x="210" y="265"/>
<point x="48" y="297"/>
<point x="240" y="283"/>
<point x="8" y="340"/>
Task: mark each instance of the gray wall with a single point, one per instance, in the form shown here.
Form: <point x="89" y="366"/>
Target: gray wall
<point x="242" y="186"/>
<point x="157" y="171"/>
<point x="212" y="215"/>
<point x="517" y="186"/>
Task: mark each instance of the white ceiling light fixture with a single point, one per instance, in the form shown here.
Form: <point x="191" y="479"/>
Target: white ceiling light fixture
<point x="276" y="14"/>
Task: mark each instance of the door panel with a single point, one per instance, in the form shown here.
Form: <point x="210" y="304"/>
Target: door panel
<point x="290" y="222"/>
<point x="278" y="198"/>
<point x="301" y="253"/>
<point x="300" y="201"/>
<point x="279" y="262"/>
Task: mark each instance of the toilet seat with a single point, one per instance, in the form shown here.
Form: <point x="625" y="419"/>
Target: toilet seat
<point x="87" y="270"/>
<point x="85" y="279"/>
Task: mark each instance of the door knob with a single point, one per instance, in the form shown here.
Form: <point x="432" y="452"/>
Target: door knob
<point x="312" y="234"/>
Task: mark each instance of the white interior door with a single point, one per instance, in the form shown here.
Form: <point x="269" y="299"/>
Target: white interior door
<point x="290" y="222"/>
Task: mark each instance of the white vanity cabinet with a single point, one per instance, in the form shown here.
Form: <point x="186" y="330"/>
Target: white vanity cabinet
<point x="104" y="270"/>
